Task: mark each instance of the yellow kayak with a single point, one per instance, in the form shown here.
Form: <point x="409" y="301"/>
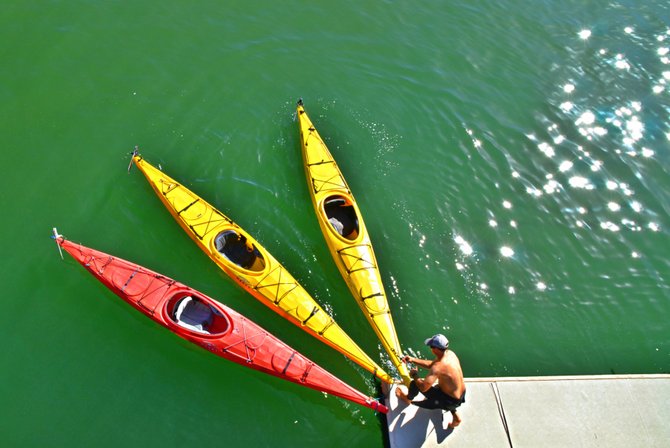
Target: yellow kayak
<point x="342" y="225"/>
<point x="251" y="265"/>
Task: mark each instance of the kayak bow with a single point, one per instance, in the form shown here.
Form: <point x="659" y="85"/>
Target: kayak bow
<point x="347" y="237"/>
<point x="240" y="256"/>
<point x="209" y="324"/>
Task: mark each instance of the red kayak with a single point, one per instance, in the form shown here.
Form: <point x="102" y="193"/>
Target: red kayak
<point x="209" y="324"/>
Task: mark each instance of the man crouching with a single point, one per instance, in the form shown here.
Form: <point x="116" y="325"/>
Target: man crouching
<point x="443" y="386"/>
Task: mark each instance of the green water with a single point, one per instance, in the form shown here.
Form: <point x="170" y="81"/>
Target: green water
<point x="512" y="169"/>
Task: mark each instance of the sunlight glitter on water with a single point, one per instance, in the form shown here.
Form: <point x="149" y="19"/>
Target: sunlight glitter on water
<point x="475" y="141"/>
<point x="567" y="106"/>
<point x="463" y="245"/>
<point x="547" y="149"/>
<point x="584" y="34"/>
<point x="506" y="251"/>
<point x="580" y="182"/>
<point x="613" y="206"/>
<point x="552" y="187"/>
<point x="594" y="133"/>
<point x="575" y="162"/>
<point x="566" y="165"/>
<point x="621" y="63"/>
<point x="654" y="227"/>
<point x="636" y="206"/>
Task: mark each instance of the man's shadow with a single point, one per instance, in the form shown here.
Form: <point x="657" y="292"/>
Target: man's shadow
<point x="440" y="420"/>
<point x="422" y="421"/>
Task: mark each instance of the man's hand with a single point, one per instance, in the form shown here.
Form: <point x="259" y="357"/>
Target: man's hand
<point x="414" y="373"/>
<point x="417" y="361"/>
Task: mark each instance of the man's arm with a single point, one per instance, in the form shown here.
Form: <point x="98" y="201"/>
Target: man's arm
<point x="419" y="362"/>
<point x="426" y="383"/>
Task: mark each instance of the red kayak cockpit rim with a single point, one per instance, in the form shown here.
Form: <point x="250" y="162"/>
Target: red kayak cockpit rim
<point x="196" y="314"/>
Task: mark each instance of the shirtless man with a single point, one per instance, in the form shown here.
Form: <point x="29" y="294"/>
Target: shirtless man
<point x="445" y="370"/>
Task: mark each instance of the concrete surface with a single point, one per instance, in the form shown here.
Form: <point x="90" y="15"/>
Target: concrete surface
<point x="576" y="411"/>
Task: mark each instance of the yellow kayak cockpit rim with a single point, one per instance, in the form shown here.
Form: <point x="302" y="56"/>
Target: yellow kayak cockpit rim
<point x="342" y="217"/>
<point x="239" y="250"/>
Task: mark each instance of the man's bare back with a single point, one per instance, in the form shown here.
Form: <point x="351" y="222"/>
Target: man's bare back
<point x="449" y="374"/>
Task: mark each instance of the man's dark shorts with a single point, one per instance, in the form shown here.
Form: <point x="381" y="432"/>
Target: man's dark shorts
<point x="435" y="398"/>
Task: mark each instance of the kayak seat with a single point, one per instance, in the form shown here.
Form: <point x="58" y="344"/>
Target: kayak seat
<point x="342" y="218"/>
<point x="238" y="250"/>
<point x="193" y="314"/>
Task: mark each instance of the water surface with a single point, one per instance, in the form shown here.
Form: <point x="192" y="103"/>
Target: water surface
<point x="510" y="160"/>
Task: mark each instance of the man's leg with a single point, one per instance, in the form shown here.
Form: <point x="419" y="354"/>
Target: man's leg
<point x="455" y="420"/>
<point x="407" y="397"/>
<point x="434" y="400"/>
<point x="413" y="390"/>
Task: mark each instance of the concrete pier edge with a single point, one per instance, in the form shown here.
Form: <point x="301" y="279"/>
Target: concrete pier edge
<point x="547" y="411"/>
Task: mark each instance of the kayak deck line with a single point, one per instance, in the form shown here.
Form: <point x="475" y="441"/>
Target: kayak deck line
<point x="251" y="266"/>
<point x="125" y="285"/>
<point x="220" y="330"/>
<point x="250" y="351"/>
<point x="347" y="237"/>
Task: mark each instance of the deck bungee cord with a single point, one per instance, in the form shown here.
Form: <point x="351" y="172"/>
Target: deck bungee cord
<point x="246" y="340"/>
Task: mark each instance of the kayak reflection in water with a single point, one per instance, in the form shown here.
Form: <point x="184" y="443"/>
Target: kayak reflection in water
<point x="443" y="387"/>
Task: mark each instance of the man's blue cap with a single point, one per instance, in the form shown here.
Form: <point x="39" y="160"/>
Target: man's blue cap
<point x="438" y="341"/>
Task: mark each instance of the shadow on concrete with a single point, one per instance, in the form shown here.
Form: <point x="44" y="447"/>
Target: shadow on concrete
<point x="438" y="420"/>
<point x="419" y="425"/>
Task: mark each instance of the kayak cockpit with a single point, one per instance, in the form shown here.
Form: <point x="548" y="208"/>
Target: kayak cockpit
<point x="342" y="217"/>
<point x="239" y="250"/>
<point x="195" y="314"/>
